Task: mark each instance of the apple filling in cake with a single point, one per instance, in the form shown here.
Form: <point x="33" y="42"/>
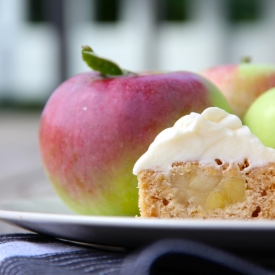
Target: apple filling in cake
<point x="228" y="173"/>
<point x="192" y="190"/>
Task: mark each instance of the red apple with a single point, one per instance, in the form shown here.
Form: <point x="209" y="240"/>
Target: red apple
<point x="94" y="128"/>
<point x="242" y="83"/>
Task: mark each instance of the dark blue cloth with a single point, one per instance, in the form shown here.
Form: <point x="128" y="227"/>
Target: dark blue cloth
<point x="29" y="254"/>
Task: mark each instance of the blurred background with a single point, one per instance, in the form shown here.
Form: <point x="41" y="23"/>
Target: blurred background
<point x="40" y="45"/>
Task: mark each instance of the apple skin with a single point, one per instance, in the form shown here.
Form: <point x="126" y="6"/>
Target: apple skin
<point x="260" y="118"/>
<point x="242" y="83"/>
<point x="93" y="130"/>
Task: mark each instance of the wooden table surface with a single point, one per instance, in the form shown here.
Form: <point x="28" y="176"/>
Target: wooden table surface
<point x="21" y="170"/>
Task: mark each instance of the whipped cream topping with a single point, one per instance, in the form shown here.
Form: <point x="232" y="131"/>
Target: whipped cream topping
<point x="214" y="134"/>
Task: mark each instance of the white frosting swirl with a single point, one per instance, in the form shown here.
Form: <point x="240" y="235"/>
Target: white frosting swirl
<point x="214" y="134"/>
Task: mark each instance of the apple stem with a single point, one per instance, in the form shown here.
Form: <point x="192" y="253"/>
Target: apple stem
<point x="102" y="65"/>
<point x="246" y="59"/>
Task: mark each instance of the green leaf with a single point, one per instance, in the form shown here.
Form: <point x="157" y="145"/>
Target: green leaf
<point x="102" y="65"/>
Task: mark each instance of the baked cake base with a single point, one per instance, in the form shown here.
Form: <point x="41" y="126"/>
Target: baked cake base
<point x="195" y="190"/>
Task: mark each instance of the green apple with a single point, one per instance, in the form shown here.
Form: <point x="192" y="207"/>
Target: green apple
<point x="260" y="118"/>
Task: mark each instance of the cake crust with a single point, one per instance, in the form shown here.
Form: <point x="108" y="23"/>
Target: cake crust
<point x="196" y="190"/>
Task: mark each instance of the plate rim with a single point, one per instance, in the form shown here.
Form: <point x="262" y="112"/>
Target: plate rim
<point x="133" y="232"/>
<point x="155" y="223"/>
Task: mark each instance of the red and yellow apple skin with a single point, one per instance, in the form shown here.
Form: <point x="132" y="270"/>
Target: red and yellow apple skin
<point x="241" y="84"/>
<point x="93" y="130"/>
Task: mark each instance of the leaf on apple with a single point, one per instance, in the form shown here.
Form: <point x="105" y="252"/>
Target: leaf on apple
<point x="102" y="65"/>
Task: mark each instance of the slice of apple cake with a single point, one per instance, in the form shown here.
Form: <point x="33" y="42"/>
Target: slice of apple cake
<point x="207" y="166"/>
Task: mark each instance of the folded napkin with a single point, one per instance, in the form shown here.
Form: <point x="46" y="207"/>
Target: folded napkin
<point x="31" y="254"/>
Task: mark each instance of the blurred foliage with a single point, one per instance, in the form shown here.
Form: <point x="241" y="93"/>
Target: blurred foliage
<point x="35" y="10"/>
<point x="107" y="10"/>
<point x="168" y="10"/>
<point x="243" y="10"/>
<point x="6" y="104"/>
<point x="175" y="10"/>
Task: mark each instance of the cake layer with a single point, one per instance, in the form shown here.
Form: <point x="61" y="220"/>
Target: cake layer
<point x="196" y="190"/>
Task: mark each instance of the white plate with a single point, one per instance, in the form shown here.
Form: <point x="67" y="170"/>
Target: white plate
<point x="50" y="216"/>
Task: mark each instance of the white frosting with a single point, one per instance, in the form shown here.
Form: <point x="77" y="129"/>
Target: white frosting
<point x="214" y="134"/>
